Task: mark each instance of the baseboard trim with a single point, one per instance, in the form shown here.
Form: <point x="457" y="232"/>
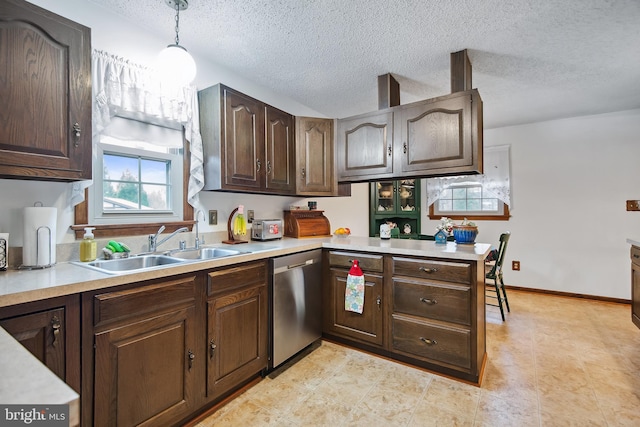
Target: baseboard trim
<point x="570" y="294"/>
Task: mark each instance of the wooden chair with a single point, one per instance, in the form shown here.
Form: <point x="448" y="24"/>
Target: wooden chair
<point x="493" y="271"/>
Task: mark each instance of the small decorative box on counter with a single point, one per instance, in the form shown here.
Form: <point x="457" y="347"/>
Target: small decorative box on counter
<point x="306" y="223"/>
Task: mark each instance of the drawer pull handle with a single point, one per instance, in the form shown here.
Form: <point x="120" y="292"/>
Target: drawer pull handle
<point x="55" y="326"/>
<point x="212" y="348"/>
<point x="428" y="341"/>
<point x="428" y="270"/>
<point x="636" y="256"/>
<point x="379" y="301"/>
<point x="191" y="357"/>
<point x="428" y="301"/>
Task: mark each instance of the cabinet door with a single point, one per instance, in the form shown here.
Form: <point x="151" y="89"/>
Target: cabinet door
<point x="45" y="87"/>
<point x="314" y="156"/>
<point x="436" y="135"/>
<point x="365" y="327"/>
<point x="365" y="146"/>
<point x="43" y="334"/>
<point x="635" y="290"/>
<point x="243" y="139"/>
<point x="144" y="371"/>
<point x="280" y="151"/>
<point x="237" y="337"/>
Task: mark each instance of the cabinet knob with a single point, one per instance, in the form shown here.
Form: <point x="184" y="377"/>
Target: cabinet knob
<point x="269" y="167"/>
<point x="429" y="301"/>
<point x="212" y="348"/>
<point x="379" y="302"/>
<point x="303" y="172"/>
<point x="55" y="326"/>
<point x="428" y="341"/>
<point x="404" y="148"/>
<point x="428" y="270"/>
<point x="389" y="150"/>
<point x="191" y="357"/>
<point x="76" y="133"/>
<point x="258" y="165"/>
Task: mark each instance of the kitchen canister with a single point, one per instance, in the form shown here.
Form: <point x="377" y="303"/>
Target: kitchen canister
<point x="39" y="246"/>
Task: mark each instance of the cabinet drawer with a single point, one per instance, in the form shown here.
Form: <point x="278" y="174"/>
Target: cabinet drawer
<point x="635" y="255"/>
<point x="366" y="262"/>
<point x="226" y="278"/>
<point x="454" y="272"/>
<point x="114" y="306"/>
<point x="450" y="303"/>
<point x="432" y="341"/>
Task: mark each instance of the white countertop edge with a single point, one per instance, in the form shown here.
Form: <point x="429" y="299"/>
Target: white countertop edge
<point x="633" y="242"/>
<point x="24" y="380"/>
<point x="66" y="278"/>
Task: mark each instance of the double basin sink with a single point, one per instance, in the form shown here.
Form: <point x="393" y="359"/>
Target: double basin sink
<point x="149" y="261"/>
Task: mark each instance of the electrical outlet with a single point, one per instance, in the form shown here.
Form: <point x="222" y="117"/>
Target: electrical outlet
<point x="515" y="265"/>
<point x="213" y="217"/>
<point x="633" y="205"/>
<point x="250" y="216"/>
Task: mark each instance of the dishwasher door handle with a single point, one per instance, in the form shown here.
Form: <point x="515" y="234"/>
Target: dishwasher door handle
<point x="291" y="267"/>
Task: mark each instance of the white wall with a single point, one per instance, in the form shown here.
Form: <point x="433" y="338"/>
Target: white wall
<point x="570" y="180"/>
<point x="569" y="224"/>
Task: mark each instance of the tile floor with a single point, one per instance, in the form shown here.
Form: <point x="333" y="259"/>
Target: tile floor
<point x="556" y="361"/>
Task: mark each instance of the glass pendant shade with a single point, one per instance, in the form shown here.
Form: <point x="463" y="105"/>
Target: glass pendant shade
<point x="176" y="65"/>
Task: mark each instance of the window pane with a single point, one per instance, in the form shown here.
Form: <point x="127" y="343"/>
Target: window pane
<point x="155" y="197"/>
<point x="474" y="192"/>
<point x="459" y="193"/>
<point x="460" y="205"/>
<point x="445" y="205"/>
<point x="474" y="204"/>
<point x="120" y="167"/>
<point x="154" y="171"/>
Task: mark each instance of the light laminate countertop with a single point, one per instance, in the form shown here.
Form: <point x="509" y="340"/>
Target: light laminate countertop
<point x="23" y="379"/>
<point x="66" y="278"/>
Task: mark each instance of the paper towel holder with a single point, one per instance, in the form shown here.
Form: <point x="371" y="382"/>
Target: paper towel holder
<point x="37" y="266"/>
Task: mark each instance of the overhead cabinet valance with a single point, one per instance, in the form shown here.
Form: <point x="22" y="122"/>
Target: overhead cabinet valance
<point x="436" y="137"/>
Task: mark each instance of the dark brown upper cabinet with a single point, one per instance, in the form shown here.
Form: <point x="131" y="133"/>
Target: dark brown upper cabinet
<point x="314" y="157"/>
<point x="248" y="145"/>
<point x="45" y="87"/>
<point x="435" y="137"/>
<point x="252" y="147"/>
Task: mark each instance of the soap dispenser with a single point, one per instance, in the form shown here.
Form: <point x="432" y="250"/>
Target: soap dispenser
<point x="88" y="246"/>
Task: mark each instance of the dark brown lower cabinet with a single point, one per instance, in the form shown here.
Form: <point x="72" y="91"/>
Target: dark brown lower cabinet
<point x="237" y="326"/>
<point x="366" y="327"/>
<point x="146" y="362"/>
<point x="50" y="330"/>
<point x="424" y="311"/>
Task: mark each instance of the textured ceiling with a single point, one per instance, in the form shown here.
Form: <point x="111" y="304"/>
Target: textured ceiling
<point x="532" y="60"/>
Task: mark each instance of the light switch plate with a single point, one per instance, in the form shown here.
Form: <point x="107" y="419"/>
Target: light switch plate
<point x="213" y="217"/>
<point x="250" y="216"/>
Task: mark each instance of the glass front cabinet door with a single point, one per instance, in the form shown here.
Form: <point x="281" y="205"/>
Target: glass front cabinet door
<point x="398" y="203"/>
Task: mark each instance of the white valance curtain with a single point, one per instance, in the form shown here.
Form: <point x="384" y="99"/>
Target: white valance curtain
<point x="496" y="177"/>
<point x="123" y="88"/>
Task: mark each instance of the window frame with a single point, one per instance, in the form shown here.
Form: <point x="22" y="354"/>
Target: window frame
<point x="81" y="212"/>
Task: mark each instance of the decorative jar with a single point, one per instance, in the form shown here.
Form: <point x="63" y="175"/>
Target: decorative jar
<point x="465" y="234"/>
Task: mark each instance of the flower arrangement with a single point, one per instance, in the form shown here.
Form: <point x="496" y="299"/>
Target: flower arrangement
<point x="446" y="224"/>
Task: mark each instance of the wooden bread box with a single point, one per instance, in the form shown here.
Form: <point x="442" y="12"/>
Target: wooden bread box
<point x="306" y="223"/>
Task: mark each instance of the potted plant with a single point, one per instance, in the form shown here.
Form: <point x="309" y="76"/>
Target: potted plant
<point x="466" y="232"/>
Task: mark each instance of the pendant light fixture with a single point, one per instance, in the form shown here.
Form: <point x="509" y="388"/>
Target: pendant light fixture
<point x="174" y="62"/>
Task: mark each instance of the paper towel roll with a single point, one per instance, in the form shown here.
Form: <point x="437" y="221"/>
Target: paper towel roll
<point x="39" y="248"/>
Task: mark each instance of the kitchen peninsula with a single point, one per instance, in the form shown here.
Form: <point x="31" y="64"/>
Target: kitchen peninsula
<point x="427" y="301"/>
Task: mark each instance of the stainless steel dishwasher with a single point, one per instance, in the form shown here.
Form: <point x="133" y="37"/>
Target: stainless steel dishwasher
<point x="296" y="304"/>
